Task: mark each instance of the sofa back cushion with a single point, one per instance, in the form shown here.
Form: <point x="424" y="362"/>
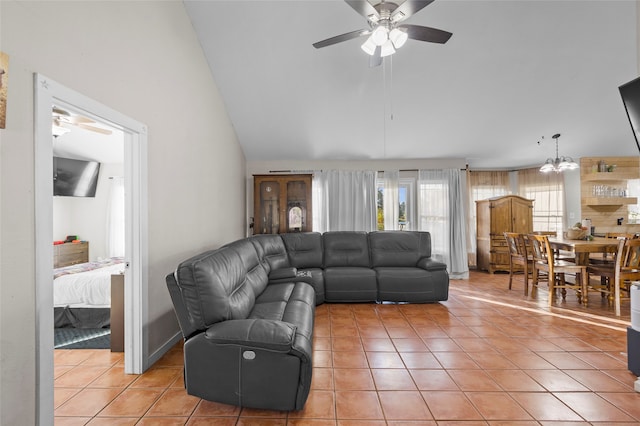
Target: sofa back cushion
<point x="304" y="249"/>
<point x="222" y="284"/>
<point x="399" y="248"/>
<point x="345" y="248"/>
<point x="271" y="249"/>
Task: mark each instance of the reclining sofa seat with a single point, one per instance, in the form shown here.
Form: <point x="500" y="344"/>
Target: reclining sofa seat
<point x="247" y="341"/>
<point x="404" y="269"/>
<point x="348" y="276"/>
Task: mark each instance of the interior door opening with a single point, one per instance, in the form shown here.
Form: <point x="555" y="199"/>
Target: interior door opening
<point x="50" y="94"/>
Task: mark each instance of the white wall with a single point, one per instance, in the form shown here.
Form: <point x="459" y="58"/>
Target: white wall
<point x="142" y="59"/>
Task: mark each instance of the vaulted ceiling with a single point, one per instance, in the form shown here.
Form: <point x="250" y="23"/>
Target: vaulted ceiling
<point x="513" y="72"/>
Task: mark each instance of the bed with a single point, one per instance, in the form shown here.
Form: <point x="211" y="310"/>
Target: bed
<point x="82" y="293"/>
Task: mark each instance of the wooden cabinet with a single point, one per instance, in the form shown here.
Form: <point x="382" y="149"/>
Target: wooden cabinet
<point x="70" y="253"/>
<point x="282" y="203"/>
<point x="495" y="216"/>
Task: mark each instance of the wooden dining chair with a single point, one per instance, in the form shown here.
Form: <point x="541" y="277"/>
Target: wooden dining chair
<point x="519" y="258"/>
<point x="608" y="258"/>
<point x="559" y="254"/>
<point x="544" y="261"/>
<point x="617" y="278"/>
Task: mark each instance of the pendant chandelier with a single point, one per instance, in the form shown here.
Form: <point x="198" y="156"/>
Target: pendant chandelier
<point x="558" y="164"/>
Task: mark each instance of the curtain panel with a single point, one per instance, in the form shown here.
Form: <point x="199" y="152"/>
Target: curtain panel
<point x="482" y="185"/>
<point x="115" y="218"/>
<point x="391" y="199"/>
<point x="344" y="200"/>
<point x="441" y="211"/>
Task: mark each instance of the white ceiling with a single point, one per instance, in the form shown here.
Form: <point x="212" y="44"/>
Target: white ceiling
<point x="513" y="71"/>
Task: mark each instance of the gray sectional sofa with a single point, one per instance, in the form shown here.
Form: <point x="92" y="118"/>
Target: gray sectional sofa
<point x="246" y="310"/>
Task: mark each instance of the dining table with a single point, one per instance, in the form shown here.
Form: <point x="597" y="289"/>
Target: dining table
<point x="583" y="248"/>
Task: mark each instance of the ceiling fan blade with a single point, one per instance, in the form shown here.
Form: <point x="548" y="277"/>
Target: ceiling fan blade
<point x="93" y="129"/>
<point x="433" y="35"/>
<point x="363" y="7"/>
<point x="410" y="7"/>
<point x="375" y="60"/>
<point x="340" y="38"/>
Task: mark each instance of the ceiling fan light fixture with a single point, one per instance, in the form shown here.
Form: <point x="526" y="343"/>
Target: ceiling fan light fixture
<point x="398" y="37"/>
<point x="387" y="49"/>
<point x="397" y="17"/>
<point x="58" y="130"/>
<point x="369" y="46"/>
<point x="380" y="35"/>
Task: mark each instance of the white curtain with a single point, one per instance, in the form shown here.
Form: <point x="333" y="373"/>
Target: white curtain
<point x="481" y="185"/>
<point x="441" y="211"/>
<point x="391" y="199"/>
<point x="344" y="200"/>
<point x="115" y="218"/>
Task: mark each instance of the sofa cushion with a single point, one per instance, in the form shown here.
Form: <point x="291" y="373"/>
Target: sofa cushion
<point x="409" y="284"/>
<point x="398" y="248"/>
<point x="350" y="284"/>
<point x="271" y="249"/>
<point x="221" y="284"/>
<point x="346" y="248"/>
<point x="304" y="249"/>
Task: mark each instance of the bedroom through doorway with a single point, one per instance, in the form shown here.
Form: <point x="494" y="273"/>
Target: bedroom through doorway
<point x="88" y="232"/>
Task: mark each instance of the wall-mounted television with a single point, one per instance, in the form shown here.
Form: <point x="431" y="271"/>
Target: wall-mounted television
<point x="630" y="93"/>
<point x="75" y="178"/>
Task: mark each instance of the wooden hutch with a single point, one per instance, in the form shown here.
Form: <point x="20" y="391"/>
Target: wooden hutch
<point x="282" y="203"/>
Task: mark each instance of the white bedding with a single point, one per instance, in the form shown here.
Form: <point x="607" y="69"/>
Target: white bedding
<point x="85" y="289"/>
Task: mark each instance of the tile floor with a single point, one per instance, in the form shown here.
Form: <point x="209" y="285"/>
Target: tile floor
<point x="487" y="356"/>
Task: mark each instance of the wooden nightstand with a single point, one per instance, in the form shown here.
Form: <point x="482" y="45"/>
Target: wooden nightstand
<point x="70" y="254"/>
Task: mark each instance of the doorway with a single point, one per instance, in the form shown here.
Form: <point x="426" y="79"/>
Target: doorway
<point x="47" y="94"/>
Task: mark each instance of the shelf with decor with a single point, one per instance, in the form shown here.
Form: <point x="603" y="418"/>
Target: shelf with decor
<point x="604" y="194"/>
<point x="615" y="176"/>
<point x="610" y="201"/>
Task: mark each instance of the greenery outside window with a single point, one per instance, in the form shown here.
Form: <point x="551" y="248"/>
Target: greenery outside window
<point x="406" y="210"/>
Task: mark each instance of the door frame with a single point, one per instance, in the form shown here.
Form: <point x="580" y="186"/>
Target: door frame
<point x="47" y="93"/>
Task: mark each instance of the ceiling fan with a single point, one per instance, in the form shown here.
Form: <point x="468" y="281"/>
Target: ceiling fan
<point x="386" y="33"/>
<point x="63" y="120"/>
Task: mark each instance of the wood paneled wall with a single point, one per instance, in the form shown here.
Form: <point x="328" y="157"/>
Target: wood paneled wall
<point x="604" y="211"/>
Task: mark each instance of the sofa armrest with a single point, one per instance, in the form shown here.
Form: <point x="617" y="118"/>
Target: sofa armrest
<point x="282" y="274"/>
<point x="429" y="264"/>
<point x="253" y="333"/>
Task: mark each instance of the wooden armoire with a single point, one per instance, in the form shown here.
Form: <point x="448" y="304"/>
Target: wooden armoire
<point x="510" y="213"/>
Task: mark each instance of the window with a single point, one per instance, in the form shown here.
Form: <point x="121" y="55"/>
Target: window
<point x="548" y="192"/>
<point x="633" y="190"/>
<point x="406" y="204"/>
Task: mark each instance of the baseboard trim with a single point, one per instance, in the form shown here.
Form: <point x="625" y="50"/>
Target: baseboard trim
<point x="154" y="357"/>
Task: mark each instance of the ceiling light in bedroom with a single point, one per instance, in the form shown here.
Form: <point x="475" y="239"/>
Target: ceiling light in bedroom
<point x="58" y="130"/>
